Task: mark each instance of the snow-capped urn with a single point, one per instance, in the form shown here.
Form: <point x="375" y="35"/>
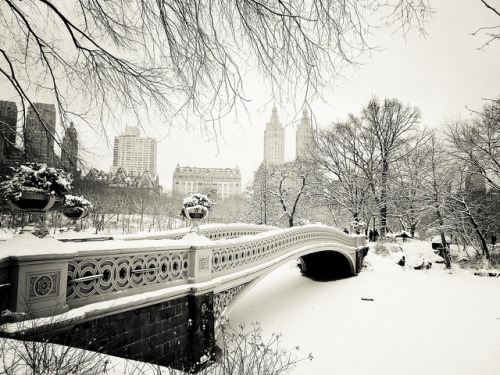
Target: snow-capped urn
<point x="196" y="204"/>
<point x="74" y="201"/>
<point x="358" y="226"/>
<point x="196" y="207"/>
<point x="76" y="207"/>
<point x="33" y="184"/>
<point x="36" y="178"/>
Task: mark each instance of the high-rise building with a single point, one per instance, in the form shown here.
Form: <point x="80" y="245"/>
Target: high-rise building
<point x="69" y="153"/>
<point x="225" y="182"/>
<point x="40" y="133"/>
<point x="133" y="153"/>
<point x="304" y="137"/>
<point x="274" y="140"/>
<point x="8" y="123"/>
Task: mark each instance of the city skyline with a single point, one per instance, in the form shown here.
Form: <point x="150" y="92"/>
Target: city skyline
<point x="444" y="73"/>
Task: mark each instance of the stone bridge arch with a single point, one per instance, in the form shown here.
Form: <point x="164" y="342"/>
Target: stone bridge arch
<point x="345" y="261"/>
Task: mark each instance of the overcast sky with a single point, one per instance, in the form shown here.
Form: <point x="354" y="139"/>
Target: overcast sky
<point x="443" y="74"/>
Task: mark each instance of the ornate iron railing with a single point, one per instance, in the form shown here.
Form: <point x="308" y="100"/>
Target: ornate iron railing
<point x="74" y="274"/>
<point x="230" y="257"/>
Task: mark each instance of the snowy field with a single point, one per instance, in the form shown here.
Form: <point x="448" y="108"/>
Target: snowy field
<point x="430" y="322"/>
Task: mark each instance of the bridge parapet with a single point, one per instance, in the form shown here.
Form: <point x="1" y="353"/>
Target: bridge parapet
<point x="229" y="257"/>
<point x="211" y="231"/>
<point x="72" y="275"/>
<point x="152" y="297"/>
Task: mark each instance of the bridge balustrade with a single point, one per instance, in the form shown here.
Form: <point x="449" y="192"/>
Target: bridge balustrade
<point x="74" y="274"/>
<point x="228" y="258"/>
<point x="158" y="301"/>
<point x="112" y="272"/>
<point x="211" y="231"/>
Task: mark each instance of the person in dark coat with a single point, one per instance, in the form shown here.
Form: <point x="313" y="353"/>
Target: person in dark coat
<point x="405" y="236"/>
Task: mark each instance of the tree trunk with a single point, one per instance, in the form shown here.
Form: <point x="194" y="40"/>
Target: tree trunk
<point x="484" y="245"/>
<point x="445" y="249"/>
<point x="479" y="233"/>
<point x="383" y="200"/>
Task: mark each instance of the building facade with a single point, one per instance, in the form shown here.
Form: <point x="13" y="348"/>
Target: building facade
<point x="40" y="133"/>
<point x="303" y="137"/>
<point x="134" y="154"/>
<point x="8" y="123"/>
<point x="69" y="153"/>
<point x="225" y="182"/>
<point x="278" y="183"/>
<point x="274" y="140"/>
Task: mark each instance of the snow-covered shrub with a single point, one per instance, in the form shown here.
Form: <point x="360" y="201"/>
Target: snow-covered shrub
<point x="421" y="259"/>
<point x="479" y="261"/>
<point x="73" y="201"/>
<point x="36" y="178"/>
<point x="302" y="222"/>
<point x="386" y="248"/>
<point x="245" y="352"/>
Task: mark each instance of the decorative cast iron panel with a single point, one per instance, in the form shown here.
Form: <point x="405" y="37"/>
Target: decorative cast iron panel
<point x="247" y="253"/>
<point x="43" y="285"/>
<point x="223" y="299"/>
<point x="89" y="277"/>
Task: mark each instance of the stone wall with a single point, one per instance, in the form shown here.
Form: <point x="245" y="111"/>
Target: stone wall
<point x="175" y="333"/>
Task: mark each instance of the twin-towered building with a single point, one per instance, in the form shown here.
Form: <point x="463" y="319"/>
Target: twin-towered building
<point x="274" y="139"/>
<point x="226" y="182"/>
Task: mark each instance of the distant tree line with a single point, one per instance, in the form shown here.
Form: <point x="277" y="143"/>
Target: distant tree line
<point x="384" y="168"/>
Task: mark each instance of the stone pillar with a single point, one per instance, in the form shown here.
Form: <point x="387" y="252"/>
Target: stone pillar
<point x="38" y="281"/>
<point x="38" y="287"/>
<point x="200" y="267"/>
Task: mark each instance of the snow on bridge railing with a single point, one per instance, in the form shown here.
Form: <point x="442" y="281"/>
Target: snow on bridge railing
<point x="49" y="276"/>
<point x="211" y="231"/>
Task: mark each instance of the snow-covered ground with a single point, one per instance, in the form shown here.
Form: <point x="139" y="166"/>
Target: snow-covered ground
<point x="387" y="320"/>
<point x="431" y="322"/>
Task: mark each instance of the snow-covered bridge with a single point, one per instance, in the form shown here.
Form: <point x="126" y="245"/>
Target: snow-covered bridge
<point x="157" y="297"/>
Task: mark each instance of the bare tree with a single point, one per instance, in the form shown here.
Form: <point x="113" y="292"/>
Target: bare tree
<point x="437" y="186"/>
<point x="492" y="32"/>
<point x="347" y="164"/>
<point x="361" y="154"/>
<point x="410" y="208"/>
<point x="283" y="191"/>
<point x="392" y="126"/>
<point x="477" y="142"/>
<point x="100" y="59"/>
